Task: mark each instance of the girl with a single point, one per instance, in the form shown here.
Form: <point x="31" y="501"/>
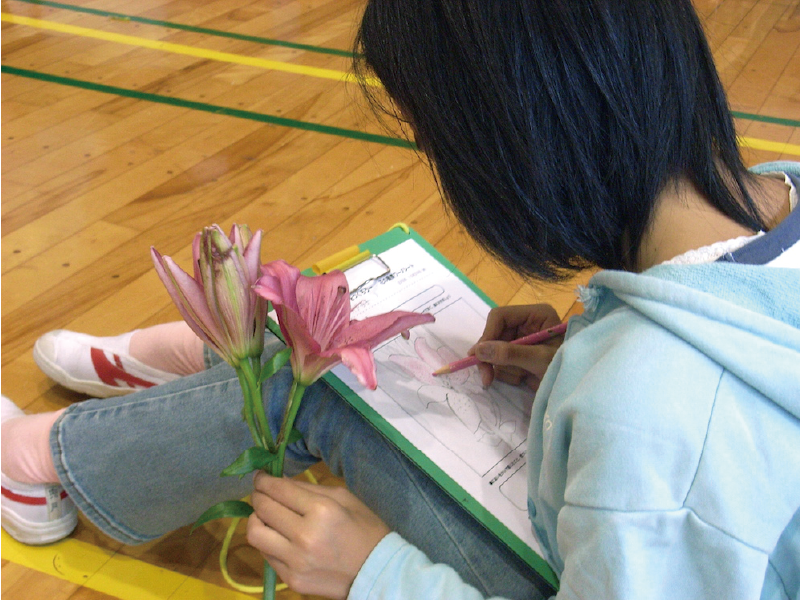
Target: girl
<point x="663" y="454"/>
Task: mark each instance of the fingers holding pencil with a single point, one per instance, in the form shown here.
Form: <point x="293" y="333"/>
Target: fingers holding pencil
<point x="514" y="364"/>
<point x="516" y="360"/>
<point x="517" y="363"/>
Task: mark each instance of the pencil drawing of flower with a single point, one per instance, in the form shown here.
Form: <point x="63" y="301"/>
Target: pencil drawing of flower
<point x="454" y="392"/>
<point x="314" y="317"/>
<point x="427" y="360"/>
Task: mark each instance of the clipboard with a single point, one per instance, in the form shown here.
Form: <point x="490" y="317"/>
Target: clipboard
<point x="373" y="270"/>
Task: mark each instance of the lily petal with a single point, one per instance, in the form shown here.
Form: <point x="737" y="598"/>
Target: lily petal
<point x="189" y="297"/>
<point x="278" y="283"/>
<point x="233" y="298"/>
<point x="205" y="263"/>
<point x="375" y="330"/>
<point x="360" y="360"/>
<point x="297" y="336"/>
<point x="316" y="365"/>
<point x="324" y="303"/>
<point x="313" y="314"/>
<point x="196" y="258"/>
<point x="252" y="256"/>
<point x="219" y="303"/>
<point x="240" y="236"/>
<point x="300" y="337"/>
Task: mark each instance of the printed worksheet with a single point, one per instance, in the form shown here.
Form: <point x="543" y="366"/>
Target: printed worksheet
<point x="476" y="436"/>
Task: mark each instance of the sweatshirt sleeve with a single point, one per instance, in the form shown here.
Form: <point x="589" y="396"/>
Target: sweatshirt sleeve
<point x="398" y="570"/>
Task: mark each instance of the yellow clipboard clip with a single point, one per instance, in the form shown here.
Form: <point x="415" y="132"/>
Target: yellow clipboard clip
<point x="342" y="260"/>
<point x="349" y="257"/>
<point x="400" y="225"/>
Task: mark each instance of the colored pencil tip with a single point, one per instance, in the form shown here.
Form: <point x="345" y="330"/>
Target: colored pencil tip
<point x="445" y="370"/>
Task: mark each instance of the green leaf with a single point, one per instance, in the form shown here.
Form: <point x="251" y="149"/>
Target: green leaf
<point x="250" y="460"/>
<point x="294" y="436"/>
<point x="274" y="364"/>
<point x="229" y="508"/>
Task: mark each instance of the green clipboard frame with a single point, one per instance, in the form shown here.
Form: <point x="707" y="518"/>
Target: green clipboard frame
<point x="395" y="236"/>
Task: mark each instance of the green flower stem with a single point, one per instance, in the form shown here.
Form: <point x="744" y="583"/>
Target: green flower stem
<point x="289" y="415"/>
<point x="250" y="375"/>
<point x="270" y="582"/>
<point x="256" y="418"/>
<point x="249" y="416"/>
<point x="276" y="467"/>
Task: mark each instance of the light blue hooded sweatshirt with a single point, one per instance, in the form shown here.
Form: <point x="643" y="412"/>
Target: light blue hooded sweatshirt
<point x="664" y="449"/>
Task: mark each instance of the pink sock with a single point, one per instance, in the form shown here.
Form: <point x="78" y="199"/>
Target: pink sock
<point x="171" y="347"/>
<point x="26" y="448"/>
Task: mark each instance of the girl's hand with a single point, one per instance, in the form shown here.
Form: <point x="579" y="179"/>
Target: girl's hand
<point x="315" y="537"/>
<point x="515" y="363"/>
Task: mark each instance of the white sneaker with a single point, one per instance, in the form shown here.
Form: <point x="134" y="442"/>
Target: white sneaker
<point x="34" y="514"/>
<point x="98" y="366"/>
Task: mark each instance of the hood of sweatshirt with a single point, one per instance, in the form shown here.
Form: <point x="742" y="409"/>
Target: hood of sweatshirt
<point x="744" y="317"/>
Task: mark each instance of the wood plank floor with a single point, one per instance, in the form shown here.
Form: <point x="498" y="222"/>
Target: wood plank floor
<point x="126" y="125"/>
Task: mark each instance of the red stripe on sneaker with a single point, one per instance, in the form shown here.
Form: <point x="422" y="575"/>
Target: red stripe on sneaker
<point x="31" y="500"/>
<point x="111" y="374"/>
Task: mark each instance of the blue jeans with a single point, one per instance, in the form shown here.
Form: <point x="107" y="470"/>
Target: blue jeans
<point x="143" y="465"/>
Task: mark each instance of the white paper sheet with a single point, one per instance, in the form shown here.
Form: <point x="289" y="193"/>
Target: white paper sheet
<point x="477" y="436"/>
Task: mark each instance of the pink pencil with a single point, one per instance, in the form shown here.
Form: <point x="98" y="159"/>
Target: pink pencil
<point x="528" y="340"/>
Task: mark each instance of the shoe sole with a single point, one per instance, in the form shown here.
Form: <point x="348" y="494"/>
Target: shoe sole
<point x="95" y="389"/>
<point x="38" y="534"/>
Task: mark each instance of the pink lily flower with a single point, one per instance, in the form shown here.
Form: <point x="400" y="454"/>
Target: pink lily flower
<point x="314" y="316"/>
<point x="218" y="302"/>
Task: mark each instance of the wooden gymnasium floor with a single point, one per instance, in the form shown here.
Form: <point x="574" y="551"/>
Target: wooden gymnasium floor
<point x="130" y="124"/>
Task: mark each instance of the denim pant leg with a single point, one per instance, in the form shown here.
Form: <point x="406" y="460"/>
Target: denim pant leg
<point x="145" y="464"/>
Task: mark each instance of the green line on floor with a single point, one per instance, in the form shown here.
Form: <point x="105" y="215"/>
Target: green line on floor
<point x="211" y="108"/>
<point x="192" y="28"/>
<point x="766" y="119"/>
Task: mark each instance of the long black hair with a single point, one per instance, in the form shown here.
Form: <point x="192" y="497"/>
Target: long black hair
<point x="553" y="125"/>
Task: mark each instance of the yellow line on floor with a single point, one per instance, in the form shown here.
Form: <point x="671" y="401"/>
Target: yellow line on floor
<point x="112" y="573"/>
<point x="780" y="147"/>
<point x="758" y="144"/>
<point x="183" y="49"/>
